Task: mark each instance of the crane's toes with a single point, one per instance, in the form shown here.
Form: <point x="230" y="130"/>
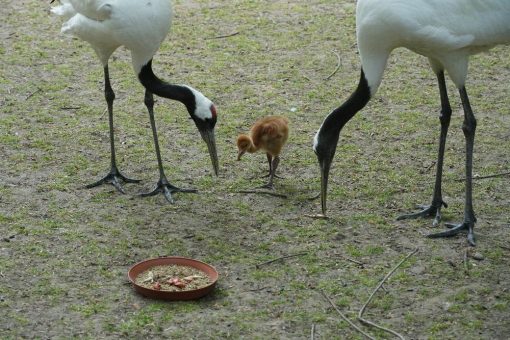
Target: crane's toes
<point x="455" y="229"/>
<point x="269" y="186"/>
<point x="117" y="186"/>
<point x="167" y="190"/>
<point x="114" y="177"/>
<point x="128" y="180"/>
<point x="168" y="195"/>
<point x="269" y="175"/>
<point x="427" y="211"/>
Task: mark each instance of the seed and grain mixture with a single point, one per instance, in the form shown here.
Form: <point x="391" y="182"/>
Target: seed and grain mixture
<point x="173" y="278"/>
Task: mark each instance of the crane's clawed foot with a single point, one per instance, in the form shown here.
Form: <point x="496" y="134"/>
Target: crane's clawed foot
<point x="167" y="189"/>
<point x="275" y="176"/>
<point x="455" y="229"/>
<point x="269" y="186"/>
<point x="113" y="178"/>
<point x="427" y="210"/>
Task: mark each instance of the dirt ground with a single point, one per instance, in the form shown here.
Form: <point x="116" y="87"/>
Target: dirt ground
<point x="65" y="251"/>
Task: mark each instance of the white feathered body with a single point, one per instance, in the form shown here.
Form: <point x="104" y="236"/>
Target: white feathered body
<point x="445" y="31"/>
<point x="139" y="25"/>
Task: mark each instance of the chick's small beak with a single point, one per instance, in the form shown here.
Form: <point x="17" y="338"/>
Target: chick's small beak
<point x="209" y="139"/>
<point x="239" y="154"/>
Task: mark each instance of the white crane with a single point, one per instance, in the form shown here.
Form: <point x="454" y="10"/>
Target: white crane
<point x="447" y="32"/>
<point x="140" y="26"/>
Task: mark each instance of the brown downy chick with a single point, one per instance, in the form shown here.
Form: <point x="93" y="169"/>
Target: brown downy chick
<point x="270" y="135"/>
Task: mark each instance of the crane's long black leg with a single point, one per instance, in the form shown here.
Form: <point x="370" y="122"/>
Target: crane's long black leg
<point x="469" y="128"/>
<point x="163" y="186"/>
<point x="434" y="209"/>
<point x="114" y="175"/>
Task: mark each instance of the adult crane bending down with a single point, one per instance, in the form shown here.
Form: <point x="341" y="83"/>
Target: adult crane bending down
<point x="445" y="31"/>
<point x="140" y="26"/>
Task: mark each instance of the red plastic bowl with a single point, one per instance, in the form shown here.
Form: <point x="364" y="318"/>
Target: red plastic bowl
<point x="140" y="267"/>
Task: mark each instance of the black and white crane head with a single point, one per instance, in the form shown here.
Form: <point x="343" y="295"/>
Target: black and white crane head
<point x="203" y="113"/>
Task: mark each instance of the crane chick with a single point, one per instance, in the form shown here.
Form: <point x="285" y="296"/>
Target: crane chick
<point x="270" y="135"/>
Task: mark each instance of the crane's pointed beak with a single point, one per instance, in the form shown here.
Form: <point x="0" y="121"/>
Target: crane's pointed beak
<point x="210" y="140"/>
<point x="325" y="165"/>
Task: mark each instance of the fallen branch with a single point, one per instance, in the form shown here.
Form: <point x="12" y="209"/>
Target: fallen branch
<point x="262" y="192"/>
<point x="278" y="259"/>
<point x="312" y="332"/>
<point x="344" y="317"/>
<point x="337" y="66"/>
<point x="223" y="36"/>
<point x="484" y="177"/>
<point x="362" y="310"/>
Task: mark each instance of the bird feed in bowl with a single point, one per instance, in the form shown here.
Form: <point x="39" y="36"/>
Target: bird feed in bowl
<point x="173" y="278"/>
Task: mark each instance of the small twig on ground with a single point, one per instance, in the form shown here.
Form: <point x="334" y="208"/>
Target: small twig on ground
<point x="258" y="289"/>
<point x="466" y="261"/>
<point x="362" y="310"/>
<point x="430" y="166"/>
<point x="339" y="62"/>
<point x="102" y="114"/>
<point x="280" y="258"/>
<point x="361" y="264"/>
<point x="223" y="36"/>
<point x="344" y="317"/>
<point x="484" y="177"/>
<point x="354" y="261"/>
<point x="70" y="108"/>
<point x="312" y="332"/>
<point x="384" y="288"/>
<point x="262" y="193"/>
<point x="31" y="94"/>
<point x="317" y="216"/>
<point x="313" y="198"/>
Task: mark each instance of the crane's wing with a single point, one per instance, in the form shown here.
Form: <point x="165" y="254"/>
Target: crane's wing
<point x="93" y="9"/>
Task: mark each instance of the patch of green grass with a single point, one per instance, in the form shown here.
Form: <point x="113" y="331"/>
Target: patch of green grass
<point x="90" y="309"/>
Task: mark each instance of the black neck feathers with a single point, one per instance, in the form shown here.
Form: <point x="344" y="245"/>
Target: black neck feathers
<point x="330" y="130"/>
<point x="160" y="88"/>
<point x="358" y="99"/>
